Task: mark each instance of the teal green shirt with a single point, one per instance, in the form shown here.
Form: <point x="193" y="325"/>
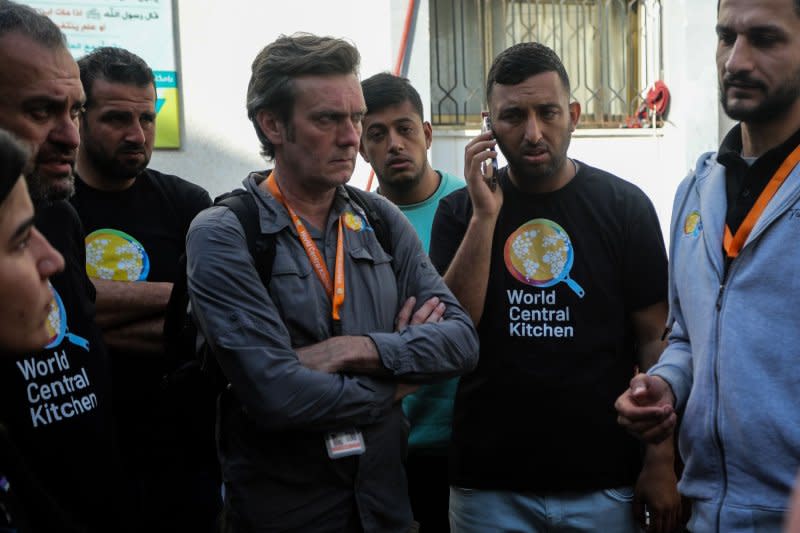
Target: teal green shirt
<point x="421" y="215"/>
<point x="430" y="409"/>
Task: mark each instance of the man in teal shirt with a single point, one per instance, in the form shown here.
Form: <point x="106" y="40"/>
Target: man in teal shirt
<point x="395" y="141"/>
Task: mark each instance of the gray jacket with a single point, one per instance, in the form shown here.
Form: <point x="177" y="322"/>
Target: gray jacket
<point x="272" y="422"/>
<point x="732" y="355"/>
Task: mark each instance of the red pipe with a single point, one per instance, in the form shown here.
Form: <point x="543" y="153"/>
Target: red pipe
<point x="401" y="57"/>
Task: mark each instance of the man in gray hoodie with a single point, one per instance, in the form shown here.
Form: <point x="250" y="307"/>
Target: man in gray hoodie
<point x="730" y="371"/>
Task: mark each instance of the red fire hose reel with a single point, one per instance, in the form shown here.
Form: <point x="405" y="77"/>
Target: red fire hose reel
<point x="655" y="106"/>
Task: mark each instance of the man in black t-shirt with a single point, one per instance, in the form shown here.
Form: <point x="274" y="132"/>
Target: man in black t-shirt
<point x="136" y="221"/>
<point x="563" y="270"/>
<point x="55" y="403"/>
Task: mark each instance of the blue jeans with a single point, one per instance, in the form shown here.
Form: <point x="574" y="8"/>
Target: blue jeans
<point x="484" y="511"/>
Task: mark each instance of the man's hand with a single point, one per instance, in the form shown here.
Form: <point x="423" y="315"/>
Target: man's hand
<point x="646" y="409"/>
<point x="485" y="203"/>
<point x="656" y="491"/>
<point x="429" y="312"/>
<point x="358" y="354"/>
<point x="403" y="390"/>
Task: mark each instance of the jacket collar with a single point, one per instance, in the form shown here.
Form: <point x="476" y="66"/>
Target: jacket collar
<point x="710" y="188"/>
<point x="272" y="215"/>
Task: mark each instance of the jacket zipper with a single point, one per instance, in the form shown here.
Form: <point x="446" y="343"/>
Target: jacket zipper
<point x="725" y="271"/>
<point x="729" y="266"/>
<point x="717" y="432"/>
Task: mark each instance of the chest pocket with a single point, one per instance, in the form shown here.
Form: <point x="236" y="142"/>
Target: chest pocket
<point x="297" y="294"/>
<point x="371" y="290"/>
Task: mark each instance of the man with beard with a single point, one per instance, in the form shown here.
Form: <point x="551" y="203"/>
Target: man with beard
<point x="55" y="402"/>
<point x="395" y="142"/>
<point x="730" y="370"/>
<point x="563" y="269"/>
<point x="136" y="221"/>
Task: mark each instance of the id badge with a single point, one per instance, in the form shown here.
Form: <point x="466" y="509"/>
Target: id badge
<point x="345" y="443"/>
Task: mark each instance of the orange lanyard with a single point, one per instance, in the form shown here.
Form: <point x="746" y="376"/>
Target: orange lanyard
<point x="733" y="243"/>
<point x="335" y="288"/>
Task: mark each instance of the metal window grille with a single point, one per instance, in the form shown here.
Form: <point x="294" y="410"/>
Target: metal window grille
<point x="610" y="48"/>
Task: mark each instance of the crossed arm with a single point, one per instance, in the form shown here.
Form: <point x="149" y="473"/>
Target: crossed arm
<point x="359" y="355"/>
<point x="131" y="315"/>
<point x="330" y="383"/>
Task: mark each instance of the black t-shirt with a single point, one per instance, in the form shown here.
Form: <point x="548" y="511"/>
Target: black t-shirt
<point x="153" y="216"/>
<point x="139" y="235"/>
<point x="24" y="505"/>
<point x="567" y="270"/>
<point x="744" y="183"/>
<point x="56" y="403"/>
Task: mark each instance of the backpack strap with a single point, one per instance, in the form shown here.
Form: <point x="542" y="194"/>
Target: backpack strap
<point x="367" y="203"/>
<point x="262" y="249"/>
<point x="243" y="205"/>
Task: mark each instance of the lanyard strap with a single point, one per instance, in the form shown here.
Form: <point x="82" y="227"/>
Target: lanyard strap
<point x="334" y="288"/>
<point x="733" y="243"/>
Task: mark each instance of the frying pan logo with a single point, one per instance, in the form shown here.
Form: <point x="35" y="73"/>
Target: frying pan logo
<point x="693" y="224"/>
<point x="355" y="222"/>
<point x="115" y="255"/>
<point x="57" y="325"/>
<point x="540" y="253"/>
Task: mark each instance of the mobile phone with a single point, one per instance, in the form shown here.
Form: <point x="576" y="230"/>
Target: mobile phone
<point x="488" y="167"/>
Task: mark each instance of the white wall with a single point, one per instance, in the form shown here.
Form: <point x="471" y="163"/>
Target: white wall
<point x="217" y="44"/>
<point x="218" y="41"/>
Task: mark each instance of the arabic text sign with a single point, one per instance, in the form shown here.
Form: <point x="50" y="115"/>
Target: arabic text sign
<point x="145" y="27"/>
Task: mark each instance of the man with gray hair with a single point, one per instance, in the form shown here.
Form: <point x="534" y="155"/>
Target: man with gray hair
<point x="311" y="433"/>
<point x="56" y="401"/>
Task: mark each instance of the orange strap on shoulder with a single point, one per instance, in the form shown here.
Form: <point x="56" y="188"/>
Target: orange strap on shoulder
<point x="733" y="243"/>
<point x="334" y="288"/>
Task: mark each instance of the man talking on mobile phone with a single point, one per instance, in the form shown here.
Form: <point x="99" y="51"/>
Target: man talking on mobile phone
<point x="563" y="270"/>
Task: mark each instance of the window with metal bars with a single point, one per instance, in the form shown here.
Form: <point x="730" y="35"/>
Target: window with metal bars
<point x="610" y="48"/>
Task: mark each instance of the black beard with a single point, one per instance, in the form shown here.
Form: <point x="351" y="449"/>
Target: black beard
<point x="42" y="195"/>
<point x="404" y="184"/>
<point x="528" y="174"/>
<point x="772" y="107"/>
<point x="111" y="168"/>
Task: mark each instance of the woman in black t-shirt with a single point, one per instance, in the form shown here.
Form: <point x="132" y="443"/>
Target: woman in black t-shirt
<point x="26" y="262"/>
<point x="26" y="258"/>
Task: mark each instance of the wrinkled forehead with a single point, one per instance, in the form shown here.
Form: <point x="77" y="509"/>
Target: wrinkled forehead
<point x="545" y="88"/>
<point x="393" y="114"/>
<point x="113" y="95"/>
<point x="27" y="66"/>
<point x="334" y="92"/>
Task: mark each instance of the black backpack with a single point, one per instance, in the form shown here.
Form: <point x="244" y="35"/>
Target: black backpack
<point x="195" y="371"/>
